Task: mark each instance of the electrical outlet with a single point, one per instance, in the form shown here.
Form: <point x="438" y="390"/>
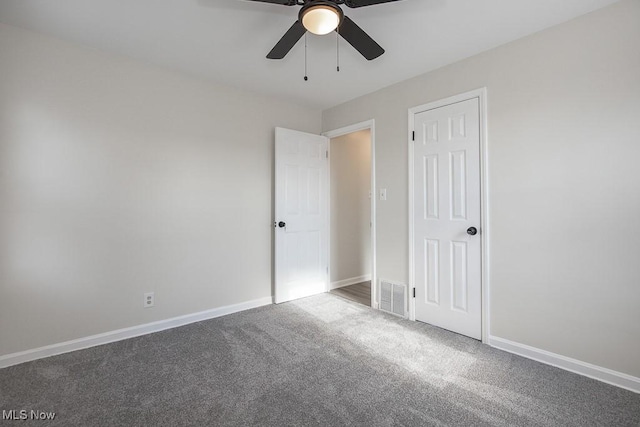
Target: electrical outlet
<point x="148" y="300"/>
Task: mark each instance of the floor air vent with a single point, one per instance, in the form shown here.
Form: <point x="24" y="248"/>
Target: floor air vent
<point x="393" y="298"/>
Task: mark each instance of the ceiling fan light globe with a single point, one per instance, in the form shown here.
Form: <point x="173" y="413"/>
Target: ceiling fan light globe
<point x="321" y="19"/>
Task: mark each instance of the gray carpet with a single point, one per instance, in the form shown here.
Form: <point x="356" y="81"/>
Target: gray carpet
<point x="318" y="361"/>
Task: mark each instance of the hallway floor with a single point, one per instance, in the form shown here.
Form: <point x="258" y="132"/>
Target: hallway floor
<point x="360" y="293"/>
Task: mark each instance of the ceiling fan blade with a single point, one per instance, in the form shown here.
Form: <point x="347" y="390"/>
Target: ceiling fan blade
<point x="361" y="3"/>
<point x="282" y="2"/>
<point x="287" y="41"/>
<point x="359" y="39"/>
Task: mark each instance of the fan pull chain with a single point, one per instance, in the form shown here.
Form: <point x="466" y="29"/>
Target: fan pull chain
<point x="337" y="51"/>
<point x="305" y="58"/>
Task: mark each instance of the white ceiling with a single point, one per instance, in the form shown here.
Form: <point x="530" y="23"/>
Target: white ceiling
<point x="226" y="41"/>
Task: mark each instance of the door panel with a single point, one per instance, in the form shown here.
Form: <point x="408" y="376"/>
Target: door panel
<point x="447" y="202"/>
<point x="431" y="269"/>
<point x="301" y="194"/>
<point x="431" y="184"/>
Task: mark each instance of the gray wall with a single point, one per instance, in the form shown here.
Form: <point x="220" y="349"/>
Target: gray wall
<point x="350" y="205"/>
<point x="118" y="178"/>
<point x="564" y="182"/>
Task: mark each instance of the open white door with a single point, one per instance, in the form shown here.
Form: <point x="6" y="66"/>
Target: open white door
<point x="447" y="235"/>
<point x="301" y="215"/>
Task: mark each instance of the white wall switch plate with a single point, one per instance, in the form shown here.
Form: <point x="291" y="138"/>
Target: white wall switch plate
<point x="383" y="194"/>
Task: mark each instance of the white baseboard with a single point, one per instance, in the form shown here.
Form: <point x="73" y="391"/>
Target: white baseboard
<point x="123" y="334"/>
<point x="349" y="281"/>
<point x="588" y="370"/>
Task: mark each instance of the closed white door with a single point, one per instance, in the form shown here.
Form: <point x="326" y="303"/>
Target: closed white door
<point x="447" y="235"/>
<point x="301" y="217"/>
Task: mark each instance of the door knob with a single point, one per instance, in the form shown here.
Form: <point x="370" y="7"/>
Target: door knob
<point x="472" y="231"/>
<point x="282" y="224"/>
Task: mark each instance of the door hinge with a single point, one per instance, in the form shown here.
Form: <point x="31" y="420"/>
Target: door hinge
<point x="413" y="135"/>
<point x="326" y="153"/>
<point x="414" y="292"/>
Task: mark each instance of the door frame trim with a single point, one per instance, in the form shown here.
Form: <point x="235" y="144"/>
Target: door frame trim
<point x="481" y="95"/>
<point x="371" y="125"/>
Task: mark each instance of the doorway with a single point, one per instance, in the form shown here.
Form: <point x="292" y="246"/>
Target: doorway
<point x="351" y="218"/>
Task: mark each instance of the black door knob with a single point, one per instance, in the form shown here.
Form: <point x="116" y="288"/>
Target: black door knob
<point x="472" y="231"/>
<point x="282" y="224"/>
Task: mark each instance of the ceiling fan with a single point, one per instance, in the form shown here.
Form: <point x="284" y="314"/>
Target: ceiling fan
<point x="322" y="17"/>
